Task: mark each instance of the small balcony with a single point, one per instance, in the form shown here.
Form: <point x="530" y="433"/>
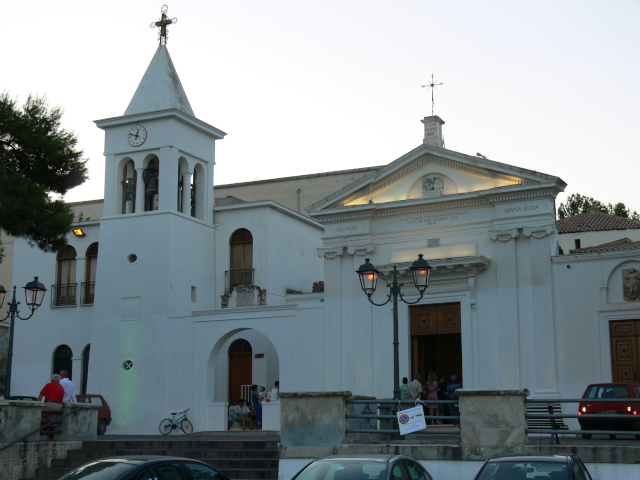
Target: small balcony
<point x="87" y="291"/>
<point x="63" y="295"/>
<point x="233" y="278"/>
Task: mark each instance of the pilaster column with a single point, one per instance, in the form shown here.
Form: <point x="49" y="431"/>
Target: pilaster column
<point x="333" y="361"/>
<point x="542" y="304"/>
<point x="167" y="183"/>
<point x="507" y="311"/>
<point x="363" y="317"/>
<point x="111" y="197"/>
<point x="186" y="193"/>
<point x="139" y="190"/>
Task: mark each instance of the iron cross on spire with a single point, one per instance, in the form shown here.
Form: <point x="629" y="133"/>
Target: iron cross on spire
<point x="163" y="23"/>
<point x="432" y="86"/>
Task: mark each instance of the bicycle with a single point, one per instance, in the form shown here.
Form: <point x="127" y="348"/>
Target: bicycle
<point x="169" y="424"/>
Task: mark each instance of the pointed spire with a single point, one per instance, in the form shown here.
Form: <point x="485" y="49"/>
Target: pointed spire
<point x="160" y="88"/>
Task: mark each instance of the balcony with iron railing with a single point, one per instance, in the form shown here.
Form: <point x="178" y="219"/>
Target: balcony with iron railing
<point x="63" y="295"/>
<point x="87" y="292"/>
<point x="234" y="278"/>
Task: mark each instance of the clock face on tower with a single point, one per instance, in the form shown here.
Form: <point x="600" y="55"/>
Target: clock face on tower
<point x="137" y="135"/>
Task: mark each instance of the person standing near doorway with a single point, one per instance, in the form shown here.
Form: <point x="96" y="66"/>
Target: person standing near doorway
<point x="415" y="387"/>
<point x="257" y="405"/>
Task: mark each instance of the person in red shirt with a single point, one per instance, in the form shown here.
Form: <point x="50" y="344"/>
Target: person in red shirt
<point x="53" y="394"/>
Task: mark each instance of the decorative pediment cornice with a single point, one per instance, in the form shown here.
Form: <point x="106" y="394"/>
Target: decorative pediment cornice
<point x="360" y="250"/>
<point x="385" y="182"/>
<point x="418" y="159"/>
<point x="330" y="252"/>
<point x="440" y="267"/>
<point x="423" y="206"/>
<point x="538" y="232"/>
<point x="504" y="235"/>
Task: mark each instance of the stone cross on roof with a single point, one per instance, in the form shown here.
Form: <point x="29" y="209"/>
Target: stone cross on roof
<point x="163" y="23"/>
<point x="432" y="86"/>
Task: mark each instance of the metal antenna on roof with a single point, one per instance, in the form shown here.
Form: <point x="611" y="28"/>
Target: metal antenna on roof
<point x="432" y="86"/>
<point x="163" y="23"/>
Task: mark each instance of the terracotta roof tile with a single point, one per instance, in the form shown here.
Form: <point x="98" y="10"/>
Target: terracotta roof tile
<point x="595" y="222"/>
<point x="609" y="247"/>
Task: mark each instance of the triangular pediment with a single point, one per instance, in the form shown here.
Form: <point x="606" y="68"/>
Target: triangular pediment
<point x="431" y="174"/>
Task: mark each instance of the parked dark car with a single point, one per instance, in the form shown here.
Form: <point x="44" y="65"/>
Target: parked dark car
<point x="364" y="467"/>
<point x="144" y="468"/>
<point x="104" y="413"/>
<point x="539" y="465"/>
<point x="24" y="398"/>
<point x="627" y="408"/>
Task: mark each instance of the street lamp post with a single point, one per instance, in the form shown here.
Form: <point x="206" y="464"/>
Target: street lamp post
<point x="34" y="294"/>
<point x="368" y="281"/>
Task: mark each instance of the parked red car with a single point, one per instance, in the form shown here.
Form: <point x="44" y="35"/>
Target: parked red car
<point x="104" y="413"/>
<point x="627" y="408"/>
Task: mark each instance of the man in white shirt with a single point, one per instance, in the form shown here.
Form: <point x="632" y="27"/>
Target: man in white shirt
<point x="69" y="388"/>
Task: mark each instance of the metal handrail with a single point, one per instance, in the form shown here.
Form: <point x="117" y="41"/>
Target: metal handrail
<point x="554" y="431"/>
<point x="55" y="420"/>
<point x="399" y="403"/>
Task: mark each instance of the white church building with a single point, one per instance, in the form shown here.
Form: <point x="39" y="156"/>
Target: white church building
<point x="170" y="300"/>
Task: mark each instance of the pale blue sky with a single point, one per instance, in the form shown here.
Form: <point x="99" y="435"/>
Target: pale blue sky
<point x="304" y="87"/>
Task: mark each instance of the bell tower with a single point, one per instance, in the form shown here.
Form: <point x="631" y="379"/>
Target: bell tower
<point x="157" y="231"/>
<point x="156" y="244"/>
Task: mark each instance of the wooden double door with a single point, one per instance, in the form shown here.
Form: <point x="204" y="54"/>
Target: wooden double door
<point x="625" y="350"/>
<point x="436" y="344"/>
<point x="240" y="369"/>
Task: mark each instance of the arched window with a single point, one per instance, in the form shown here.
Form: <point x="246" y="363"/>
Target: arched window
<point x="241" y="259"/>
<point x="62" y="360"/>
<point x="150" y="177"/>
<point x="65" y="288"/>
<point x="89" y="285"/>
<point x="128" y="182"/>
<point x="240" y="371"/>
<point x="85" y="368"/>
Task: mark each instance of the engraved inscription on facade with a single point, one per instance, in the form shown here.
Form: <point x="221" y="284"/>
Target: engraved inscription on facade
<point x="521" y="209"/>
<point x="631" y="285"/>
<point x="347" y="229"/>
<point x="435" y="219"/>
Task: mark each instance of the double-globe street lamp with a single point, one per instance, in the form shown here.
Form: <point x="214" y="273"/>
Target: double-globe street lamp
<point x="368" y="281"/>
<point x="34" y="294"/>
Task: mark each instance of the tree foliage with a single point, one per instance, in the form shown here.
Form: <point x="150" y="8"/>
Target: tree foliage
<point x="577" y="204"/>
<point x="38" y="159"/>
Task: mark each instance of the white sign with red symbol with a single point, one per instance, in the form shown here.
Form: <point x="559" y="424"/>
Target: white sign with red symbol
<point x="411" y="420"/>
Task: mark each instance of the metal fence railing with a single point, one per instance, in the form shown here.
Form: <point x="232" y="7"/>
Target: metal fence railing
<point x="87" y="292"/>
<point x="379" y="417"/>
<point x="234" y="278"/>
<point x="63" y="294"/>
<point x="545" y="417"/>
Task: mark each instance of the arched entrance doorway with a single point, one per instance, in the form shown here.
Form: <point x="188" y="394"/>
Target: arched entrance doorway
<point x="436" y="340"/>
<point x="240" y="370"/>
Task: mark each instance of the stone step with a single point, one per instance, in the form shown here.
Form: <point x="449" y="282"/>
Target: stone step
<point x="184" y="444"/>
<point x="220" y="463"/>
<point x="87" y="455"/>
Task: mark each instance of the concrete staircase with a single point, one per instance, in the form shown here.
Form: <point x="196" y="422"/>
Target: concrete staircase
<point x="243" y="458"/>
